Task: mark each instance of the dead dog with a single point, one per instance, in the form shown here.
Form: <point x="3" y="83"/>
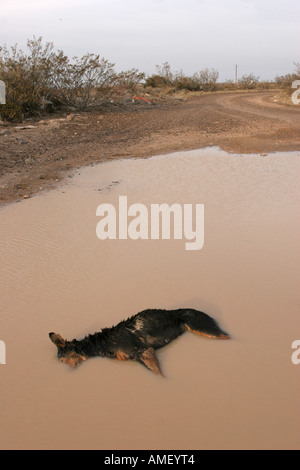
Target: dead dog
<point x="137" y="337"/>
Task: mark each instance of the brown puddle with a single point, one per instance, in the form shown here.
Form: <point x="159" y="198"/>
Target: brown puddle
<point x="56" y="275"/>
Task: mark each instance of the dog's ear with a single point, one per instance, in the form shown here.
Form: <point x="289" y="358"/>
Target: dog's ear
<point x="57" y="340"/>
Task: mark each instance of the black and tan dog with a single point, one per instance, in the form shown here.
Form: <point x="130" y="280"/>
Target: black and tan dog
<point x="138" y="337"/>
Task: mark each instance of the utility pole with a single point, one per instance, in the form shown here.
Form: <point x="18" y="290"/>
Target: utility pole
<point x="235" y="79"/>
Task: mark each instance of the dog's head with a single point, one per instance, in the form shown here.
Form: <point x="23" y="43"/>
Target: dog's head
<point x="67" y="351"/>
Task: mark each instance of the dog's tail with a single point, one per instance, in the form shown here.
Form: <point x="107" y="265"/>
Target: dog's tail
<point x="201" y="323"/>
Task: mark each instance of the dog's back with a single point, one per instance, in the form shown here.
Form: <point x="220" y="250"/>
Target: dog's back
<point x="155" y="328"/>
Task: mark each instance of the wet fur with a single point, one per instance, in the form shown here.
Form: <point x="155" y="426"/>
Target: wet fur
<point x="138" y="337"/>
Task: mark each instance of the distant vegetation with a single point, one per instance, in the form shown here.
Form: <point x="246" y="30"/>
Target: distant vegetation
<point x="205" y="80"/>
<point x="43" y="80"/>
<point x="285" y="81"/>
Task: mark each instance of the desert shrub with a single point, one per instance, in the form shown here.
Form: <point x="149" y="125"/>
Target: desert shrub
<point x="129" y="81"/>
<point x="227" y="85"/>
<point x="165" y="72"/>
<point x="184" y="82"/>
<point x="248" y="81"/>
<point x="42" y="75"/>
<point x="26" y="77"/>
<point x="156" y="81"/>
<point x="285" y="81"/>
<point x="264" y="85"/>
<point x="79" y="82"/>
<point x="12" y="112"/>
<point x="163" y="77"/>
<point x="206" y="79"/>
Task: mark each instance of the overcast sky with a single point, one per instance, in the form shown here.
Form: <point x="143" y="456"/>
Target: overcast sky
<point x="261" y="36"/>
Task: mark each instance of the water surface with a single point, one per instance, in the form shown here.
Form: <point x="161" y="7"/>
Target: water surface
<point x="56" y="275"/>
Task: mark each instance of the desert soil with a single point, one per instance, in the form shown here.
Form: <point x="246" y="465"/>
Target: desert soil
<point x="37" y="155"/>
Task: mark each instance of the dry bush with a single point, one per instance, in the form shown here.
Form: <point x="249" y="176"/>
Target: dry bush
<point x="285" y="81"/>
<point x="248" y="81"/>
<point x="163" y="77"/>
<point x="205" y="80"/>
<point x="265" y="85"/>
<point x="128" y="82"/>
<point x="40" y="78"/>
<point x="228" y="85"/>
<point x="26" y="77"/>
<point x="78" y="83"/>
<point x="184" y="82"/>
<point x="156" y="81"/>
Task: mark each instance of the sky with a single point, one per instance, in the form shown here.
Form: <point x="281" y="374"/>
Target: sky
<point x="260" y="36"/>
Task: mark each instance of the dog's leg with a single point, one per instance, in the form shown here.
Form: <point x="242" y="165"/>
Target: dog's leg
<point x="202" y="324"/>
<point x="149" y="359"/>
<point x="121" y="355"/>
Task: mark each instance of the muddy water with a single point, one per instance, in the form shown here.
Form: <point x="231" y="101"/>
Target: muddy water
<point x="56" y="275"/>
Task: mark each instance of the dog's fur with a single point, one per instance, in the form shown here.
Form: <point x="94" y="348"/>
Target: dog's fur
<point x="137" y="337"/>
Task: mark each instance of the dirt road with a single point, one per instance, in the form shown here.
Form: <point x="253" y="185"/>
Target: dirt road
<point x="38" y="155"/>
